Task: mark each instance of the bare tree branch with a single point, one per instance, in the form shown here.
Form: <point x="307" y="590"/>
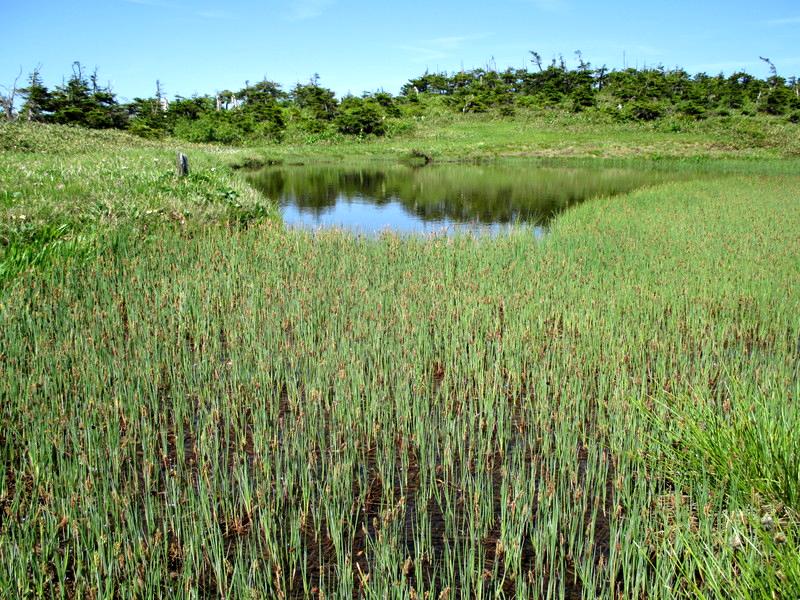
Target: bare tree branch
<point x="7" y="100"/>
<point x="772" y="71"/>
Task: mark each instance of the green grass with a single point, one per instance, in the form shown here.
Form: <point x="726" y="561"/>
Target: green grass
<point x="611" y="412"/>
<point x="445" y="135"/>
<point x="62" y="190"/>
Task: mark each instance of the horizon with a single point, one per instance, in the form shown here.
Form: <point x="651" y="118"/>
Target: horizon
<point x="134" y="43"/>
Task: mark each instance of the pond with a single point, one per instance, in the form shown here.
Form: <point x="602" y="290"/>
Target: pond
<point x="446" y="198"/>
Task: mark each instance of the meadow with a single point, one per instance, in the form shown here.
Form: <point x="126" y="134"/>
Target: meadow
<point x="199" y="403"/>
<point x="443" y="135"/>
<point x="62" y="189"/>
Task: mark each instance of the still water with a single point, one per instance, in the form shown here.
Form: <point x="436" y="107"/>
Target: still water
<point x="368" y="199"/>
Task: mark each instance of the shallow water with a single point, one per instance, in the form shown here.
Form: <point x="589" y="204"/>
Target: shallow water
<point x="484" y="198"/>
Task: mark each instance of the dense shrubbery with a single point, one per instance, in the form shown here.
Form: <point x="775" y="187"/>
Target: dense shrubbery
<point x="358" y="116"/>
<point x="640" y="94"/>
<point x="263" y="111"/>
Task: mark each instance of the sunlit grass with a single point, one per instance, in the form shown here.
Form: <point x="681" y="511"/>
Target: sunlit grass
<point x="608" y="413"/>
<point x="445" y="135"/>
<point x="62" y="190"/>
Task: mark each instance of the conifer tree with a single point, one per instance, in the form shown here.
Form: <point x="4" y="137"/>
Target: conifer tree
<point x="38" y="99"/>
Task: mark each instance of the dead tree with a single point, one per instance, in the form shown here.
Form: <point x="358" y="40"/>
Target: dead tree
<point x="7" y="100"/>
<point x="773" y="72"/>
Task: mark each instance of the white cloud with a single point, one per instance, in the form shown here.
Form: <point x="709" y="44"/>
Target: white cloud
<point x="441" y="47"/>
<point x="301" y="10"/>
<point x="784" y="21"/>
<point x="424" y="55"/>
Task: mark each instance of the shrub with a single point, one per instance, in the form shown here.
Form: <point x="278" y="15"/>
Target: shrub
<point x="360" y="117"/>
<point x="211" y="127"/>
<point x="643" y="110"/>
<point x="693" y="110"/>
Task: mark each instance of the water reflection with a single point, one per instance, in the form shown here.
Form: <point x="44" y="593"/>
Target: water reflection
<point x="369" y="199"/>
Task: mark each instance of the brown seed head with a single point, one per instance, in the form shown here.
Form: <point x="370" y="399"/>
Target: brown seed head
<point x="736" y="541"/>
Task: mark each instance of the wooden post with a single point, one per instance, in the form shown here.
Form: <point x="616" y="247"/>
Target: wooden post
<point x="183" y="165"/>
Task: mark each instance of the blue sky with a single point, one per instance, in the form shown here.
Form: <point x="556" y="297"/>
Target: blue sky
<point x="358" y="45"/>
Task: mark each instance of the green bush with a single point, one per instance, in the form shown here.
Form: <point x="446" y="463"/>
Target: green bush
<point x="692" y="110"/>
<point x="209" y="128"/>
<point x="643" y="110"/>
<point x="582" y="98"/>
<point x="142" y="129"/>
<point x="360" y="117"/>
<point x="777" y="101"/>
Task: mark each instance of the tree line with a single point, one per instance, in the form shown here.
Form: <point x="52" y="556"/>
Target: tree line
<point x="637" y="94"/>
<point x="263" y="110"/>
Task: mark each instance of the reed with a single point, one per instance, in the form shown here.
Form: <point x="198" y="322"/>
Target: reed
<point x="610" y="412"/>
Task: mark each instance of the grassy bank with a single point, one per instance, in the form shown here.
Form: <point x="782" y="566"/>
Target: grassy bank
<point x="63" y="190"/>
<point x="444" y="135"/>
<point x="249" y="412"/>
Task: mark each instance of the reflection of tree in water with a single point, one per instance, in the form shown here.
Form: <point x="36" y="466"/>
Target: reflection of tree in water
<point x="458" y="193"/>
<point x="315" y="190"/>
<point x="362" y="183"/>
<point x="488" y="208"/>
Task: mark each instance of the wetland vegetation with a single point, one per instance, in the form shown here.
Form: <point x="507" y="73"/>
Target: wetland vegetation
<point x="200" y="402"/>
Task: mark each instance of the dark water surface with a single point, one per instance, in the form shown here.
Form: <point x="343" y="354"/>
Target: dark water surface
<point x="484" y="198"/>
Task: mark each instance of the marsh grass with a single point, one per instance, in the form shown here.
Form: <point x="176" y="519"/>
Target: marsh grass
<point x="62" y="190"/>
<point x="609" y="413"/>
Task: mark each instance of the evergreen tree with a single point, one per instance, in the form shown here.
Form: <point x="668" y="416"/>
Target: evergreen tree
<point x="263" y="92"/>
<point x="261" y="106"/>
<point x="85" y="102"/>
<point x="38" y="99"/>
<point x="360" y="116"/>
<point x="319" y="101"/>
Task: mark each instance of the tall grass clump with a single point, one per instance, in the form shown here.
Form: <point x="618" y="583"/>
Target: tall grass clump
<point x="609" y="413"/>
<point x="62" y="190"/>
